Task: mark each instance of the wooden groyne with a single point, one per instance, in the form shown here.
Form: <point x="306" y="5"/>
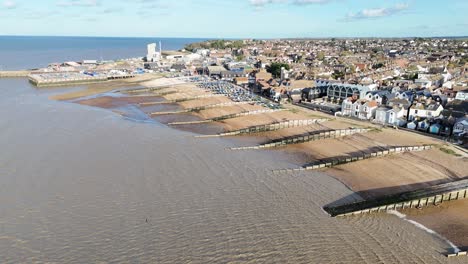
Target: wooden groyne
<point x="306" y="138"/>
<point x="200" y="108"/>
<point x="180" y="100"/>
<point x="332" y="162"/>
<point x="225" y="117"/>
<point x="414" y="199"/>
<point x="268" y="127"/>
<point x="14" y="74"/>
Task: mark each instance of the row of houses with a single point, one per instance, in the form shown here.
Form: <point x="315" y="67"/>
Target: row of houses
<point x="423" y="115"/>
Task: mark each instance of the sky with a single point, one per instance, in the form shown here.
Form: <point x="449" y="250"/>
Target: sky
<point x="235" y="18"/>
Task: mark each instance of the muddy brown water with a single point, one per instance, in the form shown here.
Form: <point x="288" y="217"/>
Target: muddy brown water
<point x="83" y="185"/>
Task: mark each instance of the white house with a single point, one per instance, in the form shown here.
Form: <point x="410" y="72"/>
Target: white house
<point x="364" y="109"/>
<point x="395" y="116"/>
<point x="419" y="110"/>
<point x="347" y="106"/>
<point x="390" y="115"/>
<point x="462" y="95"/>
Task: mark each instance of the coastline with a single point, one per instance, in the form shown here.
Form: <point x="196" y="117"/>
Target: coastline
<point x="345" y="173"/>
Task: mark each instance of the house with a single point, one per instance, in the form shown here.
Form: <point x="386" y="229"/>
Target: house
<point x="364" y="109"/>
<point x="380" y="96"/>
<point x="420" y="110"/>
<point x="381" y="114"/>
<point x="396" y="116"/>
<point x="406" y="95"/>
<point x="462" y="95"/>
<point x="391" y="115"/>
<point x="347" y="106"/>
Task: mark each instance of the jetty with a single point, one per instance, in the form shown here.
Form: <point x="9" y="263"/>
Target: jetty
<point x="432" y="195"/>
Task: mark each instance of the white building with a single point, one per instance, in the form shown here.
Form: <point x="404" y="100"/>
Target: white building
<point x="153" y="55"/>
<point x="420" y="110"/>
<point x="462" y="95"/>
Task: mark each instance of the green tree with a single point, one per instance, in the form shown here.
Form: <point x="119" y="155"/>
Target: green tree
<point x="275" y="68"/>
<point x="321" y="56"/>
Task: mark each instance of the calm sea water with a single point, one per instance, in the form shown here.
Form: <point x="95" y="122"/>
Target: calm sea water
<point x="24" y="52"/>
<point x="83" y="185"/>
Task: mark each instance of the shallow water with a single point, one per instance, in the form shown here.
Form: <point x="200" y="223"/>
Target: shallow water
<point x="81" y="184"/>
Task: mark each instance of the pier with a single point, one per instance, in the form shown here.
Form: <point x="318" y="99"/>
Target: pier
<point x="414" y="199"/>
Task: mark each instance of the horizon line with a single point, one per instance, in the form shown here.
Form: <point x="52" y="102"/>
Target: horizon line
<point x="235" y="38"/>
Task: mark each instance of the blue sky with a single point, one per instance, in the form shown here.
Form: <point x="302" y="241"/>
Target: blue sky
<point x="234" y="18"/>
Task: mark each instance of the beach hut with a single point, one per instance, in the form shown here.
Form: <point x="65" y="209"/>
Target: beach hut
<point x="435" y="129"/>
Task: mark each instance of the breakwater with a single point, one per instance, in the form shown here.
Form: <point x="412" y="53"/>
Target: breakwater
<point x="332" y="162"/>
<point x="180" y="100"/>
<point x="414" y="199"/>
<point x="14" y="74"/>
<point x="225" y="117"/>
<point x="306" y="138"/>
<point x="268" y="127"/>
<point x="200" y="108"/>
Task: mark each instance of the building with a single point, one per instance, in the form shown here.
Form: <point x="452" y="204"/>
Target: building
<point x="152" y="55"/>
<point x="462" y="95"/>
<point x="420" y="110"/>
<point x="340" y="91"/>
<point x="390" y="115"/>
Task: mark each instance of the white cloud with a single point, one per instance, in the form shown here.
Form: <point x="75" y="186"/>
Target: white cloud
<point x="377" y="12"/>
<point x="9" y="4"/>
<point x="260" y="3"/>
<point x="88" y="3"/>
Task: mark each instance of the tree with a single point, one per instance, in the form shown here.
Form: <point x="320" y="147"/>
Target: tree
<point x="275" y="68"/>
<point x="240" y="57"/>
<point x="321" y="56"/>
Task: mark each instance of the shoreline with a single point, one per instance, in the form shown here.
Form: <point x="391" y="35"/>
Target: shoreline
<point x="318" y="149"/>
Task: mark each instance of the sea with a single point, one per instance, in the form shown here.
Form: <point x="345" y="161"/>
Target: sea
<point x="30" y="52"/>
<point x="80" y="184"/>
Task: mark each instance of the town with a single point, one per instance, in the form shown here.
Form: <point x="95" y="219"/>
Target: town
<point x="418" y="84"/>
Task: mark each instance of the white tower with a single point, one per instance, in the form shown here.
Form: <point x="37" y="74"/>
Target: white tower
<point x="152" y="54"/>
